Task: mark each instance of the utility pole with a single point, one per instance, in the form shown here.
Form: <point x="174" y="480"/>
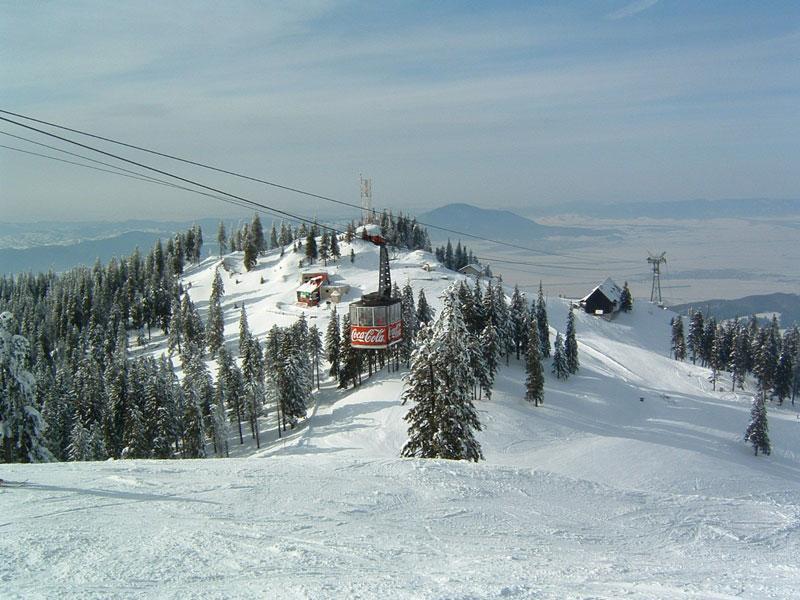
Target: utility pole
<point x="656" y="261"/>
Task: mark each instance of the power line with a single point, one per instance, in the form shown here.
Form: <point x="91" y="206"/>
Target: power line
<point x="148" y="179"/>
<point x="267" y="182"/>
<point x="132" y="175"/>
<point x="168" y="174"/>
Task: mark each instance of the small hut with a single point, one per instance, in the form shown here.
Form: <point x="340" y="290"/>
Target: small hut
<point x="605" y="299"/>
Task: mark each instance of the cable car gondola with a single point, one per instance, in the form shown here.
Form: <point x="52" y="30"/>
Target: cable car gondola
<point x="376" y="319"/>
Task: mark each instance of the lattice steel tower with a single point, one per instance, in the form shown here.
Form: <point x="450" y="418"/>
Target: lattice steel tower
<point x="366" y="200"/>
<point x="656" y="261"/>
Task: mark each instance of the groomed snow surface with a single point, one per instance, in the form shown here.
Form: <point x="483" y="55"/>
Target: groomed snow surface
<point x="596" y="494"/>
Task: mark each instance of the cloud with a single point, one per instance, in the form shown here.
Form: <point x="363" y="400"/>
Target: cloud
<point x="634" y="8"/>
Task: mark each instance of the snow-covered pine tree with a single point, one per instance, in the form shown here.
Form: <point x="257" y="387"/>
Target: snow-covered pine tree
<point x="314" y="349"/>
<point x="424" y="311"/>
<point x="311" y="246"/>
<point x="782" y="381"/>
<point x="502" y="322"/>
<point x="250" y="258"/>
<point x="695" y="338"/>
<point x="253" y="377"/>
<point x="571" y="344"/>
<point x="764" y="364"/>
<point x="737" y="364"/>
<point x="409" y="324"/>
<point x="244" y="332"/>
<point x="542" y="324"/>
<point x="222" y="239"/>
<point x="518" y="316"/>
<point x="443" y="418"/>
<point x="560" y="369"/>
<point x="198" y="394"/>
<point x="334" y="250"/>
<point x="626" y="299"/>
<point x="490" y="350"/>
<point x="757" y="432"/>
<point x="257" y="233"/>
<point x="21" y="425"/>
<point x="349" y="358"/>
<point x="534" y="383"/>
<point x="678" y="345"/>
<point x="230" y="386"/>
<point x="215" y="335"/>
<point x="333" y="343"/>
<point x="716" y="361"/>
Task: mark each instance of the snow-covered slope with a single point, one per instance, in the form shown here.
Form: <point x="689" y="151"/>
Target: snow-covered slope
<point x="632" y="480"/>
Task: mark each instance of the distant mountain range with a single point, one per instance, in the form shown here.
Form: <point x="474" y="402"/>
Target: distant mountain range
<point x="788" y="305"/>
<point x="497" y="224"/>
<point x="681" y="209"/>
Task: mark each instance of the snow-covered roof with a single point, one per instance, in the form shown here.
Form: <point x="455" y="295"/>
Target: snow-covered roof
<point x="471" y="268"/>
<point x="370" y="228"/>
<point x="609" y="289"/>
<point x="310" y="285"/>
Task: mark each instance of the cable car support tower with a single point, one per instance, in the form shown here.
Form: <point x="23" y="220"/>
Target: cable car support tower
<point x="656" y="261"/>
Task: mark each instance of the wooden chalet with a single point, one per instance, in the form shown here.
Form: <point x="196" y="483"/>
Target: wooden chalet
<point x="605" y="299"/>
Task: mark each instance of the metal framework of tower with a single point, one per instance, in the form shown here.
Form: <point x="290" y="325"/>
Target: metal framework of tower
<point x="366" y="200"/>
<point x="656" y="261"/>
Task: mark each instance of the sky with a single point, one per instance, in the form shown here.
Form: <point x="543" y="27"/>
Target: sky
<point x="498" y="104"/>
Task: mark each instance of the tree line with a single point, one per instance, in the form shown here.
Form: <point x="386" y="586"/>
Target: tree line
<point x="744" y="349"/>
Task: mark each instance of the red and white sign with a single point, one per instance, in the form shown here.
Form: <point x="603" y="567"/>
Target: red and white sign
<point x="369" y="337"/>
<point x="378" y="336"/>
<point x="395" y="332"/>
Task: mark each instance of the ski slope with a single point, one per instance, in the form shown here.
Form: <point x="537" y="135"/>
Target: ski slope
<point x="631" y="481"/>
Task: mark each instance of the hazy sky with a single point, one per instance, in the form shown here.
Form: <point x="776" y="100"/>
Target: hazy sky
<point x="510" y="104"/>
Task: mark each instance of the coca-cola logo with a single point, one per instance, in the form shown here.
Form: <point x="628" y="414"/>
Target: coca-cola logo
<point x="395" y="331"/>
<point x="369" y="335"/>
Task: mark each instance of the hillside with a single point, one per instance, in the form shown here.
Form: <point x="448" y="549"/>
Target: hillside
<point x="632" y="480"/>
<point x="498" y="224"/>
<point x="786" y="306"/>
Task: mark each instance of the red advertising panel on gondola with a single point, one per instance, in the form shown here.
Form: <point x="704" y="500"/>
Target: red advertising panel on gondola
<point x="376" y="336"/>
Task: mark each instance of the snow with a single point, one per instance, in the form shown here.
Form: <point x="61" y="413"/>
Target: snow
<point x="595" y="494"/>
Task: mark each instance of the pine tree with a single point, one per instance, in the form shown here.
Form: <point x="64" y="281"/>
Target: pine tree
<point x="334" y="247"/>
<point x="21" y="424"/>
<point x="534" y="384"/>
<point x="215" y="325"/>
<point x="757" y="432"/>
<point x="443" y="418"/>
<point x="349" y="358"/>
<point x="782" y="380"/>
<point x="518" y="315"/>
<point x="678" y="344"/>
<point x="314" y="348"/>
<point x="231" y="386"/>
<point x="560" y="369"/>
<point x="250" y="253"/>
<point x="244" y="332"/>
<point x="716" y="361"/>
<point x="424" y="312"/>
<point x="222" y="239"/>
<point x="737" y="364"/>
<point x="333" y="343"/>
<point x="273" y="237"/>
<point x="409" y="324"/>
<point x="311" y="246"/>
<point x="571" y="344"/>
<point x="541" y="321"/>
<point x="253" y="377"/>
<point x="626" y="299"/>
<point x="257" y="233"/>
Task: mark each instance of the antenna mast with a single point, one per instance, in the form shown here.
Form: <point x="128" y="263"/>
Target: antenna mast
<point x="656" y="261"/>
<point x="366" y="200"/>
